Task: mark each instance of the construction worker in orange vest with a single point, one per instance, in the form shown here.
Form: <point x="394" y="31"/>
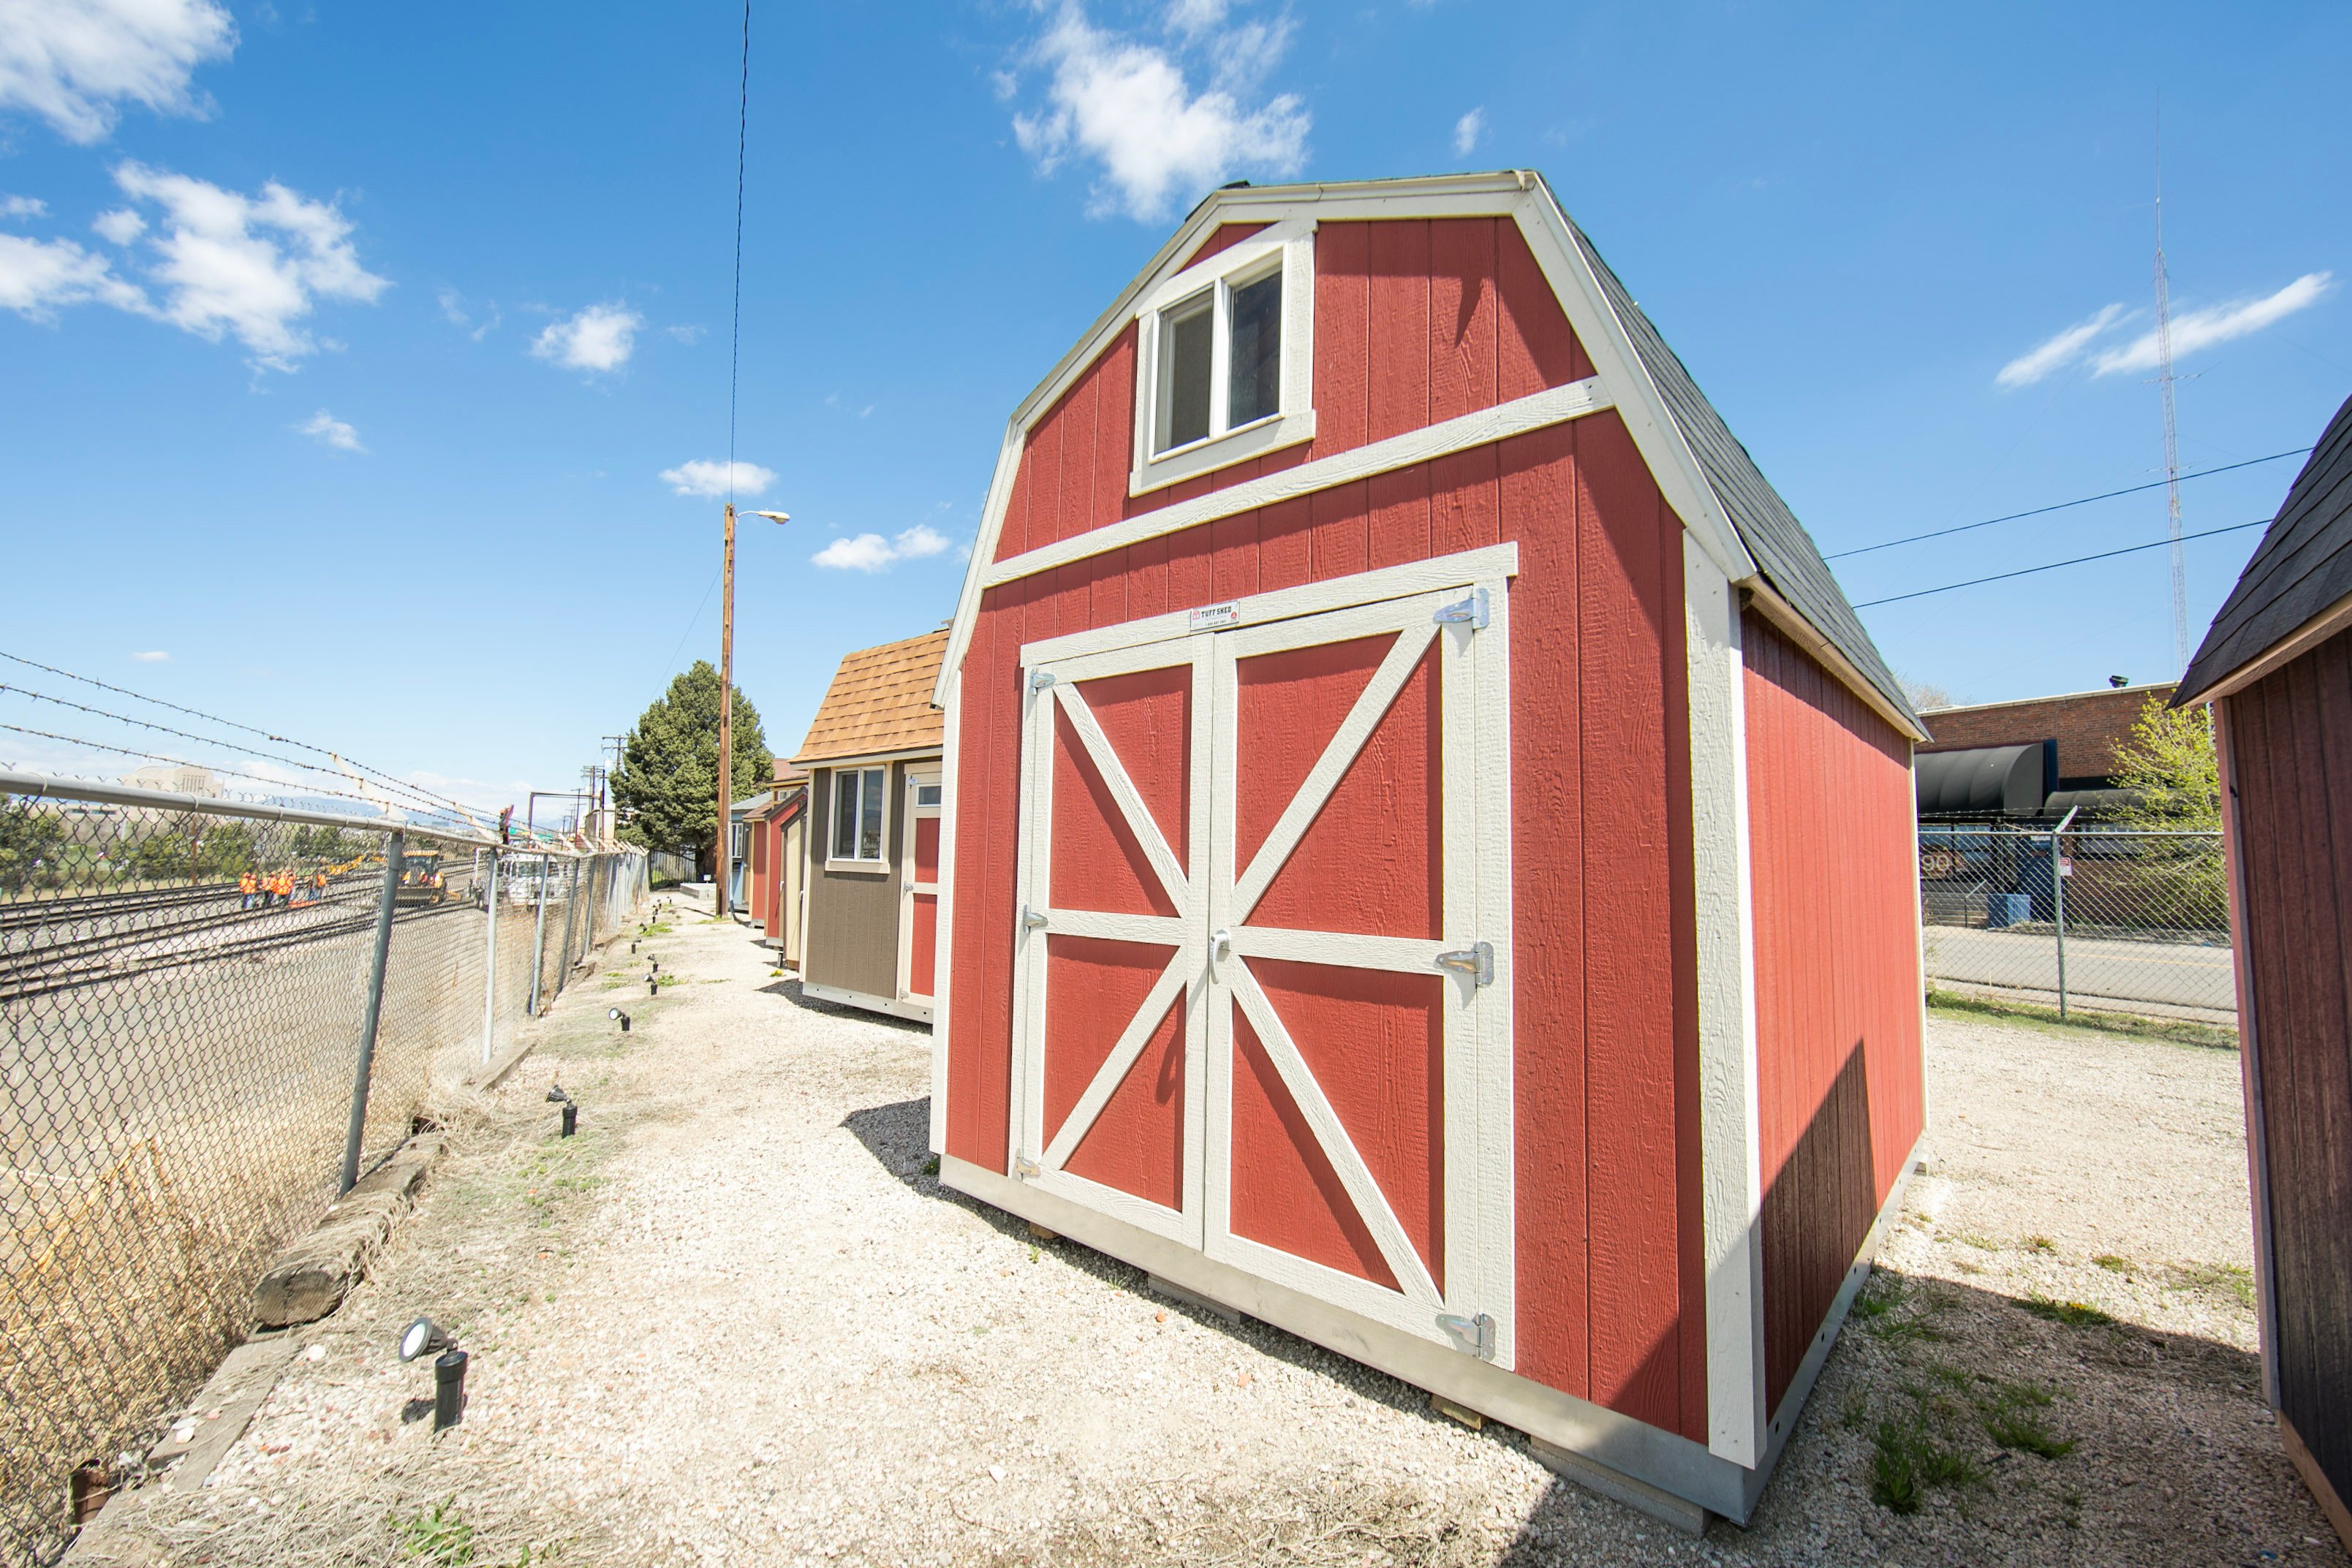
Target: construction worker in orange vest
<point x="247" y="886"/>
<point x="282" y="885"/>
<point x="317" y="886"/>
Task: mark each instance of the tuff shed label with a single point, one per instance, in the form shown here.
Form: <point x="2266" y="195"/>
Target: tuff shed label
<point x="1209" y="617"/>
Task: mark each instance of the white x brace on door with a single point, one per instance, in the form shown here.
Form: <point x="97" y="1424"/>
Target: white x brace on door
<point x="1262" y="996"/>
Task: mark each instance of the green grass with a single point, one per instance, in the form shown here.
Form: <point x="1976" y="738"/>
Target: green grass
<point x="2228" y="1281"/>
<point x="435" y="1535"/>
<point x="2113" y="1264"/>
<point x="2073" y="1314"/>
<point x="1906" y="1460"/>
<point x="2179" y="1032"/>
<point x="1982" y="1243"/>
<point x="2038" y="1244"/>
<point x="2014" y="1417"/>
<point x="1890" y="1309"/>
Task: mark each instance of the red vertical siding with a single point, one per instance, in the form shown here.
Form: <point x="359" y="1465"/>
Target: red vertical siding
<point x="1418" y="321"/>
<point x="1841" y="1099"/>
<point x="2290" y="739"/>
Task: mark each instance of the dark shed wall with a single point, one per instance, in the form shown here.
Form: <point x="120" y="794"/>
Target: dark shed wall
<point x="2290" y="739"/>
<point x="852" y="939"/>
<point x="1838" y="1073"/>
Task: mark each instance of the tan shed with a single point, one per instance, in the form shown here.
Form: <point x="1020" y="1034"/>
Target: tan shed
<point x="869" y="931"/>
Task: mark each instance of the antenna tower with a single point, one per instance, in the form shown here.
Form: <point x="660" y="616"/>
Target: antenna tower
<point x="2171" y="435"/>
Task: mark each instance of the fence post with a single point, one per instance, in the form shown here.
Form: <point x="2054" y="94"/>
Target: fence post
<point x="393" y="848"/>
<point x="538" y="942"/>
<point x="2058" y="901"/>
<point x="491" y="965"/>
<point x="571" y="925"/>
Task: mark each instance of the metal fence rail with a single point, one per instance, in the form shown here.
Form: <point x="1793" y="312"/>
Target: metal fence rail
<point x="2093" y="919"/>
<point x="214" y="1017"/>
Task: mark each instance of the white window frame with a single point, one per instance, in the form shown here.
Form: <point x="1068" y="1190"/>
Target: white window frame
<point x="1289" y="245"/>
<point x="880" y="862"/>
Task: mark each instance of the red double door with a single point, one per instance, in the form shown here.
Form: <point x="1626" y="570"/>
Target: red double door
<point x="1262" y="1006"/>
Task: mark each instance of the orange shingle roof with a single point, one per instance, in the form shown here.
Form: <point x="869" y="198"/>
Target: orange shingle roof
<point x="881" y="701"/>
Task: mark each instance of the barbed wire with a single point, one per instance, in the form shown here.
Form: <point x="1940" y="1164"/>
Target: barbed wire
<point x="341" y="762"/>
<point x="276" y="784"/>
<point x="419" y="796"/>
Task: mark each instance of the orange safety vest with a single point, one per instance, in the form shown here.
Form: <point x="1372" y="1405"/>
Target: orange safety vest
<point x="247" y="886"/>
<point x="282" y="885"/>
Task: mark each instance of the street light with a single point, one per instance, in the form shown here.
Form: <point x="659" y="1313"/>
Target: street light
<point x="727" y="708"/>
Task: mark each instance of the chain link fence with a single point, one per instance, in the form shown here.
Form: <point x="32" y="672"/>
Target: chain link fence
<point x="187" y="996"/>
<point x="2092" y="919"/>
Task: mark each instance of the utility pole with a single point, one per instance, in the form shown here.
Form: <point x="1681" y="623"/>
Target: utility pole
<point x="727" y="710"/>
<point x="2171" y="436"/>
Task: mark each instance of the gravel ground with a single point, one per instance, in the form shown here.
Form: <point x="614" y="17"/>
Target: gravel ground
<point x="732" y="1321"/>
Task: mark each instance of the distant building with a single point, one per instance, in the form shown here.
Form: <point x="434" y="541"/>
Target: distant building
<point x="2037" y="757"/>
<point x="176" y="777"/>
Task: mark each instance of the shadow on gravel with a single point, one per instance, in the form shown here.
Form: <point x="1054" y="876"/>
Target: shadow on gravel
<point x="790" y="989"/>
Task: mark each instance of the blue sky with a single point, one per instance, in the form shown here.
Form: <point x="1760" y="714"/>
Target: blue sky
<point x="355" y="357"/>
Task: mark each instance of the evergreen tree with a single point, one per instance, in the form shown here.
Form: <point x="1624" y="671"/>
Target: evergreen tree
<point x="668" y="776"/>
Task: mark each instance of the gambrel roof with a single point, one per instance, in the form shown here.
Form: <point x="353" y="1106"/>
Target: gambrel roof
<point x="879" y="703"/>
<point x="1704" y="472"/>
<point x="2300" y="574"/>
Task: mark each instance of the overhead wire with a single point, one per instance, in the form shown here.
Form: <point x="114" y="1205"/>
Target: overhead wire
<point x="2058" y="506"/>
<point x="2053" y="565"/>
<point x="345" y="764"/>
<point x="278" y="784"/>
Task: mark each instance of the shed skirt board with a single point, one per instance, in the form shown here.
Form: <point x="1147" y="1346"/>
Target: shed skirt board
<point x="897" y="1007"/>
<point x="1262" y="981"/>
<point x="1631" y="1447"/>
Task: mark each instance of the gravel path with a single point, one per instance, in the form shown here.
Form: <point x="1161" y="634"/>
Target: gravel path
<point x="733" y="1323"/>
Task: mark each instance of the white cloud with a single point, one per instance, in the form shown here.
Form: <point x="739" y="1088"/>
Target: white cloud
<point x="2201" y="328"/>
<point x="120" y="226"/>
<point x="2056" y="352"/>
<point x="454" y="311"/>
<point x="38" y="276"/>
<point x="599" y="339"/>
<point x="713" y="479"/>
<point x="325" y="427"/>
<point x="23" y="207"/>
<point x="157" y="657"/>
<point x="1128" y="106"/>
<point x="72" y="62"/>
<point x="872" y="552"/>
<point x="248" y="266"/>
<point x="1467" y="131"/>
<point x="688" y="333"/>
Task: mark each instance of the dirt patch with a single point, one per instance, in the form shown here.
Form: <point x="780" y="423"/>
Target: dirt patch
<point x="734" y="1320"/>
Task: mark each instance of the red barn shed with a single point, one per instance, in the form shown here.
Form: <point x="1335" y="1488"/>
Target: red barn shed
<point x="2277" y="669"/>
<point x="1431" y="857"/>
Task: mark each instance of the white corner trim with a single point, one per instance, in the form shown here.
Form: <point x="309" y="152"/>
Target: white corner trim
<point x="1611" y="347"/>
<point x="1730" y="1165"/>
<point x="945" y="948"/>
<point x="1489" y="563"/>
<point x="1482" y="428"/>
<point x="984" y="547"/>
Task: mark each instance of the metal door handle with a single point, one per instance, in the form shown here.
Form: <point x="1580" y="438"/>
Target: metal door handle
<point x="1220" y="947"/>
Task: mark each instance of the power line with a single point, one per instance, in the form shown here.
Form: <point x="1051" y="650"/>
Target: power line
<point x="279" y="785"/>
<point x="2053" y="565"/>
<point x="2062" y="506"/>
<point x="343" y="763"/>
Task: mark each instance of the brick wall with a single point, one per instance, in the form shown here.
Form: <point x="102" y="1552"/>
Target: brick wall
<point x="2088" y="726"/>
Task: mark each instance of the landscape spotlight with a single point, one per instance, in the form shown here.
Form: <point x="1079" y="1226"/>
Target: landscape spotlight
<point x="423" y="1337"/>
<point x="617" y="1013"/>
<point x="556" y="1096"/>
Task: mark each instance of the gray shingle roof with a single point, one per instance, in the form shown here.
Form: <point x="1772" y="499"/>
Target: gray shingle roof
<point x="2303" y="566"/>
<point x="1784" y="553"/>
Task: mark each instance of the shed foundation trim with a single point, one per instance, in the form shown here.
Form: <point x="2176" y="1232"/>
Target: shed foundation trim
<point x="1645" y="1455"/>
<point x="897" y="1007"/>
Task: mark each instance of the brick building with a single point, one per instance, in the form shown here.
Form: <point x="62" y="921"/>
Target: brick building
<point x="2088" y="727"/>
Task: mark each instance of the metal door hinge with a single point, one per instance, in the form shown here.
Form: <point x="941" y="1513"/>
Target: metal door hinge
<point x="1040" y="679"/>
<point x="1031" y="919"/>
<point x="1477" y="962"/>
<point x="1024" y="1168"/>
<point x="1476" y="1335"/>
<point x="1470" y="613"/>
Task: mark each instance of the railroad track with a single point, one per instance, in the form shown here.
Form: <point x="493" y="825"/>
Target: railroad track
<point x="47" y="970"/>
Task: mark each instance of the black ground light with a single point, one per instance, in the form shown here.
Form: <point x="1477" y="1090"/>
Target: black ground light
<point x="424" y="1337"/>
<point x="557" y="1096"/>
<point x="617" y="1013"/>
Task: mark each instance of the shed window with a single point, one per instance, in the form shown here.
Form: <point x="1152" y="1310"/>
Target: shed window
<point x="857" y="795"/>
<point x="1225" y="357"/>
<point x="1226" y="339"/>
